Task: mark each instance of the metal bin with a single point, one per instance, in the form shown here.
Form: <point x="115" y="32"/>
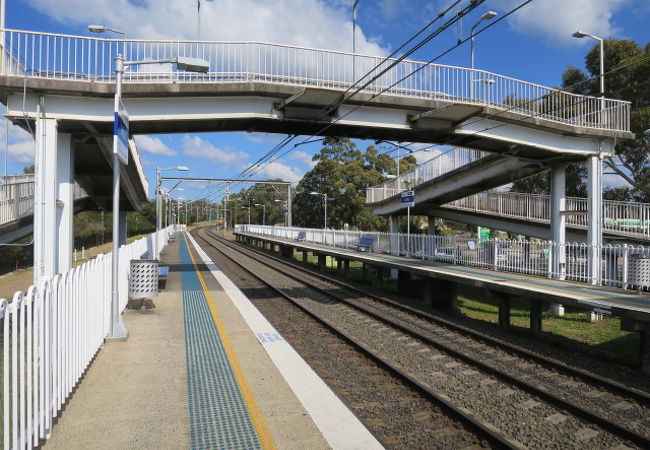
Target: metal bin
<point x="638" y="270"/>
<point x="143" y="282"/>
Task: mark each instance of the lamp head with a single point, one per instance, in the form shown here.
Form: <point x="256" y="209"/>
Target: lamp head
<point x="315" y="193"/>
<point x="97" y="28"/>
<point x="192" y="64"/>
<point x="489" y="15"/>
<point x="579" y="34"/>
<point x="182" y="168"/>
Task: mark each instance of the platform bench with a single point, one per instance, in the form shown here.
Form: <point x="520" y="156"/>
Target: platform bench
<point x="365" y="243"/>
<point x="163" y="272"/>
<point x="302" y="236"/>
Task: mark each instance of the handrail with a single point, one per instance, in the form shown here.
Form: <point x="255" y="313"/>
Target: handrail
<point x="85" y="58"/>
<point x="619" y="217"/>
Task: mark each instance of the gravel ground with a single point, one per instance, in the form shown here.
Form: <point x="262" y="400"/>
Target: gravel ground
<point x="520" y="415"/>
<point x="399" y="416"/>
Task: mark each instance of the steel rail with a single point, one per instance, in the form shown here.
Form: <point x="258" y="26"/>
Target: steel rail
<point x="549" y="398"/>
<point x="487" y="430"/>
<point x="553" y="363"/>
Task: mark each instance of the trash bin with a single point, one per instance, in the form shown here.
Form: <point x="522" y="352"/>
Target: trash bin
<point x="143" y="282"/>
<point x="638" y="271"/>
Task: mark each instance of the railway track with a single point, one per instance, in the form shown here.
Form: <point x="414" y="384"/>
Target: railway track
<point x="519" y="396"/>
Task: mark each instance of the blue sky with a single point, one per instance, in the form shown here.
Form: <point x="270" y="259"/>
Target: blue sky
<point x="534" y="44"/>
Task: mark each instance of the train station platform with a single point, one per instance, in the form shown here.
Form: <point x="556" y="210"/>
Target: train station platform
<point x="436" y="281"/>
<point x="204" y="369"/>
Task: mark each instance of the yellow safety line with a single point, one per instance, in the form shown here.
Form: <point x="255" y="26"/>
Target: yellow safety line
<point x="253" y="409"/>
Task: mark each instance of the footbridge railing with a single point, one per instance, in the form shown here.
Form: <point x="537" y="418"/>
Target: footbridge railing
<point x="622" y="218"/>
<point x="91" y="59"/>
<point x="439" y="165"/>
<point x="49" y="336"/>
<point x="532" y="257"/>
<point x="17" y="197"/>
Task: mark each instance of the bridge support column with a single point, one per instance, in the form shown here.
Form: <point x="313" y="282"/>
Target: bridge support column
<point x="122" y="235"/>
<point x="346" y="266"/>
<point x="595" y="223"/>
<point x="504" y="312"/>
<point x="535" y="316"/>
<point x="645" y="352"/>
<point x="558" y="221"/>
<point x="394" y="241"/>
<point x="53" y="201"/>
<point x="322" y="261"/>
<point x="286" y="251"/>
<point x="404" y="283"/>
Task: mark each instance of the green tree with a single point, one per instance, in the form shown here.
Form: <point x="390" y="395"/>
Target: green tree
<point x="343" y="173"/>
<point x="630" y="66"/>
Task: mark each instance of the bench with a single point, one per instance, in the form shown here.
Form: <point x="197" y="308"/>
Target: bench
<point x="302" y="236"/>
<point x="163" y="272"/>
<point x="365" y="243"/>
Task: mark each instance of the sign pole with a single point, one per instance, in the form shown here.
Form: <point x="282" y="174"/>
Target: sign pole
<point x="118" y="331"/>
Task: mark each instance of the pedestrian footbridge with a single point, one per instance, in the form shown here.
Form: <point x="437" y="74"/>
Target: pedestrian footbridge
<point x="63" y="86"/>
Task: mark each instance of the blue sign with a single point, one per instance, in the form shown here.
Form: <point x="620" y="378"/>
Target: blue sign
<point x="408" y="199"/>
<point x="121" y="134"/>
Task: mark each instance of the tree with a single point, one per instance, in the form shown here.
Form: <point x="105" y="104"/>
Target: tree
<point x="343" y="173"/>
<point x="630" y="66"/>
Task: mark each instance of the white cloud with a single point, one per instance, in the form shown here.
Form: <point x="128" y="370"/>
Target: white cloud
<point x="613" y="180"/>
<point x="22" y="152"/>
<point x="303" y="158"/>
<point x="153" y="145"/>
<point x="309" y="23"/>
<point x="196" y="147"/>
<point x="282" y="171"/>
<point x="557" y="20"/>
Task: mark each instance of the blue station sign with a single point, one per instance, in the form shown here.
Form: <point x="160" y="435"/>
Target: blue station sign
<point x="121" y="134"/>
<point x="408" y="199"/>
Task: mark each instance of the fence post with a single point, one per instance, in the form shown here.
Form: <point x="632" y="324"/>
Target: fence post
<point x="625" y="261"/>
<point x="495" y="255"/>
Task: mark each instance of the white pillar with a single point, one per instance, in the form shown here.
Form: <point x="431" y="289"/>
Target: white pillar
<point x="65" y="201"/>
<point x="558" y="220"/>
<point x="595" y="223"/>
<point x="45" y="215"/>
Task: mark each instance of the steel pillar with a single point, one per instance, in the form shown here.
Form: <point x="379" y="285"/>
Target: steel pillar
<point x="558" y="221"/>
<point x="65" y="202"/>
<point x="53" y="200"/>
<point x="595" y="223"/>
<point x="394" y="241"/>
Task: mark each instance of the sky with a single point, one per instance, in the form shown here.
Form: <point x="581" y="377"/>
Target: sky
<point x="534" y="44"/>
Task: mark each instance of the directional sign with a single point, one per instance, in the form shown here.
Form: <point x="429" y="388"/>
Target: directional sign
<point x="121" y="134"/>
<point x="408" y="199"/>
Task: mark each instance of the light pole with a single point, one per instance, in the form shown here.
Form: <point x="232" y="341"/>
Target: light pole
<point x="263" y="212"/>
<point x="159" y="170"/>
<point x="285" y="205"/>
<point x="487" y="16"/>
<point x="183" y="63"/>
<point x="354" y="37"/>
<point x="249" y="213"/>
<point x="325" y="200"/>
<point x="580" y="35"/>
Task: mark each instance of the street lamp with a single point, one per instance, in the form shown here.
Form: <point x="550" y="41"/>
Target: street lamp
<point x="325" y="200"/>
<point x="285" y="206"/>
<point x="249" y="213"/>
<point x="354" y="37"/>
<point x="104" y="29"/>
<point x="580" y="35"/>
<point x="487" y="16"/>
<point x="159" y="170"/>
<point x="263" y="212"/>
<point x="120" y="131"/>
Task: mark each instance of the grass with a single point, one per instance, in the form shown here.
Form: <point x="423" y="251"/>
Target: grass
<point x="601" y="338"/>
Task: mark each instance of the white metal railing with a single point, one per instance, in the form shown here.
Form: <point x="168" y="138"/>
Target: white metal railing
<point x="92" y="59"/>
<point x="50" y="334"/>
<point x="17" y="197"/>
<point x="534" y="257"/>
<point x="623" y="218"/>
<point x="439" y="165"/>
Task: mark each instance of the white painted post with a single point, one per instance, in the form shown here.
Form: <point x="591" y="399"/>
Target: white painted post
<point x="122" y="237"/>
<point x="65" y="202"/>
<point x="394" y="240"/>
<point x="595" y="223"/>
<point x="558" y="220"/>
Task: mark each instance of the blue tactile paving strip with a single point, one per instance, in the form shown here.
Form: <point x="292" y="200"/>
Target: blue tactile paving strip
<point x="218" y="412"/>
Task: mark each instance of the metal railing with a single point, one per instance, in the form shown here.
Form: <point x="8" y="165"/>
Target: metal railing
<point x="533" y="257"/>
<point x="17" y="197"/>
<point x="50" y="334"/>
<point x="439" y="165"/>
<point x="92" y="59"/>
<point x="623" y="218"/>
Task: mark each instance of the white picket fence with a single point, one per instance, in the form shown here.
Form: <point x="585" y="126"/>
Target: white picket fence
<point x="534" y="257"/>
<point x="50" y="334"/>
